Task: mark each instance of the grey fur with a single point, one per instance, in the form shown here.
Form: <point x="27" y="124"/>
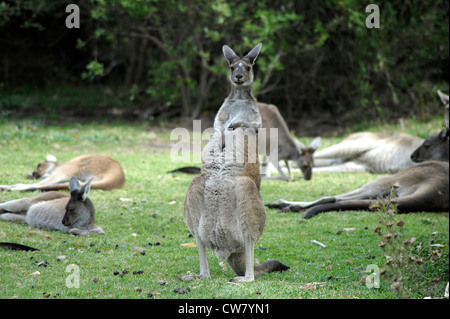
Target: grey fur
<point x="223" y="206"/>
<point x="55" y="211"/>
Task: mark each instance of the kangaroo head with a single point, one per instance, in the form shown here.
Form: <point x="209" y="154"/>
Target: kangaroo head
<point x="435" y="147"/>
<point x="44" y="169"/>
<point x="306" y="160"/>
<point x="241" y="70"/>
<point x="79" y="210"/>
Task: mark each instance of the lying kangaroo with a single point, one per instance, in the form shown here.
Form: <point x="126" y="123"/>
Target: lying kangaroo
<point x="56" y="211"/>
<point x="106" y="172"/>
<point x="368" y="152"/>
<point x="436" y="146"/>
<point x="223" y="206"/>
<point x="289" y="149"/>
<point x="376" y="153"/>
<point x="420" y="188"/>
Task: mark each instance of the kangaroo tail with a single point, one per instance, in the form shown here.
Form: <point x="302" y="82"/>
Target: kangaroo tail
<point x="344" y="205"/>
<point x="187" y="169"/>
<point x="271" y="266"/>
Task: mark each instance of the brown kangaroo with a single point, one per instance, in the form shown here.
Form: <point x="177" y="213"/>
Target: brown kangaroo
<point x="423" y="187"/>
<point x="106" y="172"/>
<point x="56" y="211"/>
<point x="223" y="206"/>
<point x="289" y="149"/>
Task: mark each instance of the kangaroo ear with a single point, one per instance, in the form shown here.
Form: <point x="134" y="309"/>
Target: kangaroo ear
<point x="229" y="54"/>
<point x="253" y="54"/>
<point x="50" y="158"/>
<point x="443" y="97"/>
<point x="85" y="189"/>
<point x="74" y="185"/>
<point x="300" y="146"/>
<point x="315" y="143"/>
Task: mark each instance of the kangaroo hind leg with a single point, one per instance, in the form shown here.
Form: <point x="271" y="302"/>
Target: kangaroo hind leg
<point x="194" y="206"/>
<point x="10" y="217"/>
<point x="243" y="264"/>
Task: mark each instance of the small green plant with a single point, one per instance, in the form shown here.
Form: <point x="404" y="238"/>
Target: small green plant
<point x="94" y="70"/>
<point x="408" y="257"/>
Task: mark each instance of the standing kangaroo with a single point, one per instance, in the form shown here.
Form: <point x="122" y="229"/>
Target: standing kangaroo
<point x="289" y="149"/>
<point x="106" y="172"/>
<point x="56" y="211"/>
<point x="223" y="206"/>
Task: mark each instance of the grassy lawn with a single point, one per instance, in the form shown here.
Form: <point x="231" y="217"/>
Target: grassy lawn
<point x="142" y="256"/>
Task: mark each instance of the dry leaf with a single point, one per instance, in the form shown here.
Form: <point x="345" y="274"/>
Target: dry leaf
<point x="312" y="285"/>
<point x="189" y="245"/>
<point x="223" y="265"/>
<point x="35" y="273"/>
<point x="40" y="232"/>
<point x="138" y="249"/>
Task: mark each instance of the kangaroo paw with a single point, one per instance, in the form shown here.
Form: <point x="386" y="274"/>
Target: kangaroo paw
<point x="242" y="279"/>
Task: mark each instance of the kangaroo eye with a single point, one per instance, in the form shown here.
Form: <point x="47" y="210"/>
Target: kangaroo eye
<point x="248" y="68"/>
<point x="232" y="69"/>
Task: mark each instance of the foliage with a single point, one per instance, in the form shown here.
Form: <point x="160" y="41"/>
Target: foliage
<point x="407" y="257"/>
<point x="318" y="59"/>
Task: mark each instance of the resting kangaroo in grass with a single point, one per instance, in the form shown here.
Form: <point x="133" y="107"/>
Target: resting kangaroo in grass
<point x="223" y="206"/>
<point x="56" y="211"/>
<point x="420" y="188"/>
<point x="376" y="153"/>
<point x="106" y="172"/>
<point x="435" y="147"/>
<point x="423" y="187"/>
<point x="368" y="152"/>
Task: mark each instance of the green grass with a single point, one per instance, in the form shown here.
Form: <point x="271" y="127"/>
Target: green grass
<point x="148" y="213"/>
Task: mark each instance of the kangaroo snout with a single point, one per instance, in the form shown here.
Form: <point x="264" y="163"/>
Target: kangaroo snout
<point x="65" y="220"/>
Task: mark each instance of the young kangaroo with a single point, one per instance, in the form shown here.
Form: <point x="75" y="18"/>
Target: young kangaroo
<point x="106" y="172"/>
<point x="223" y="206"/>
<point x="56" y="211"/>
